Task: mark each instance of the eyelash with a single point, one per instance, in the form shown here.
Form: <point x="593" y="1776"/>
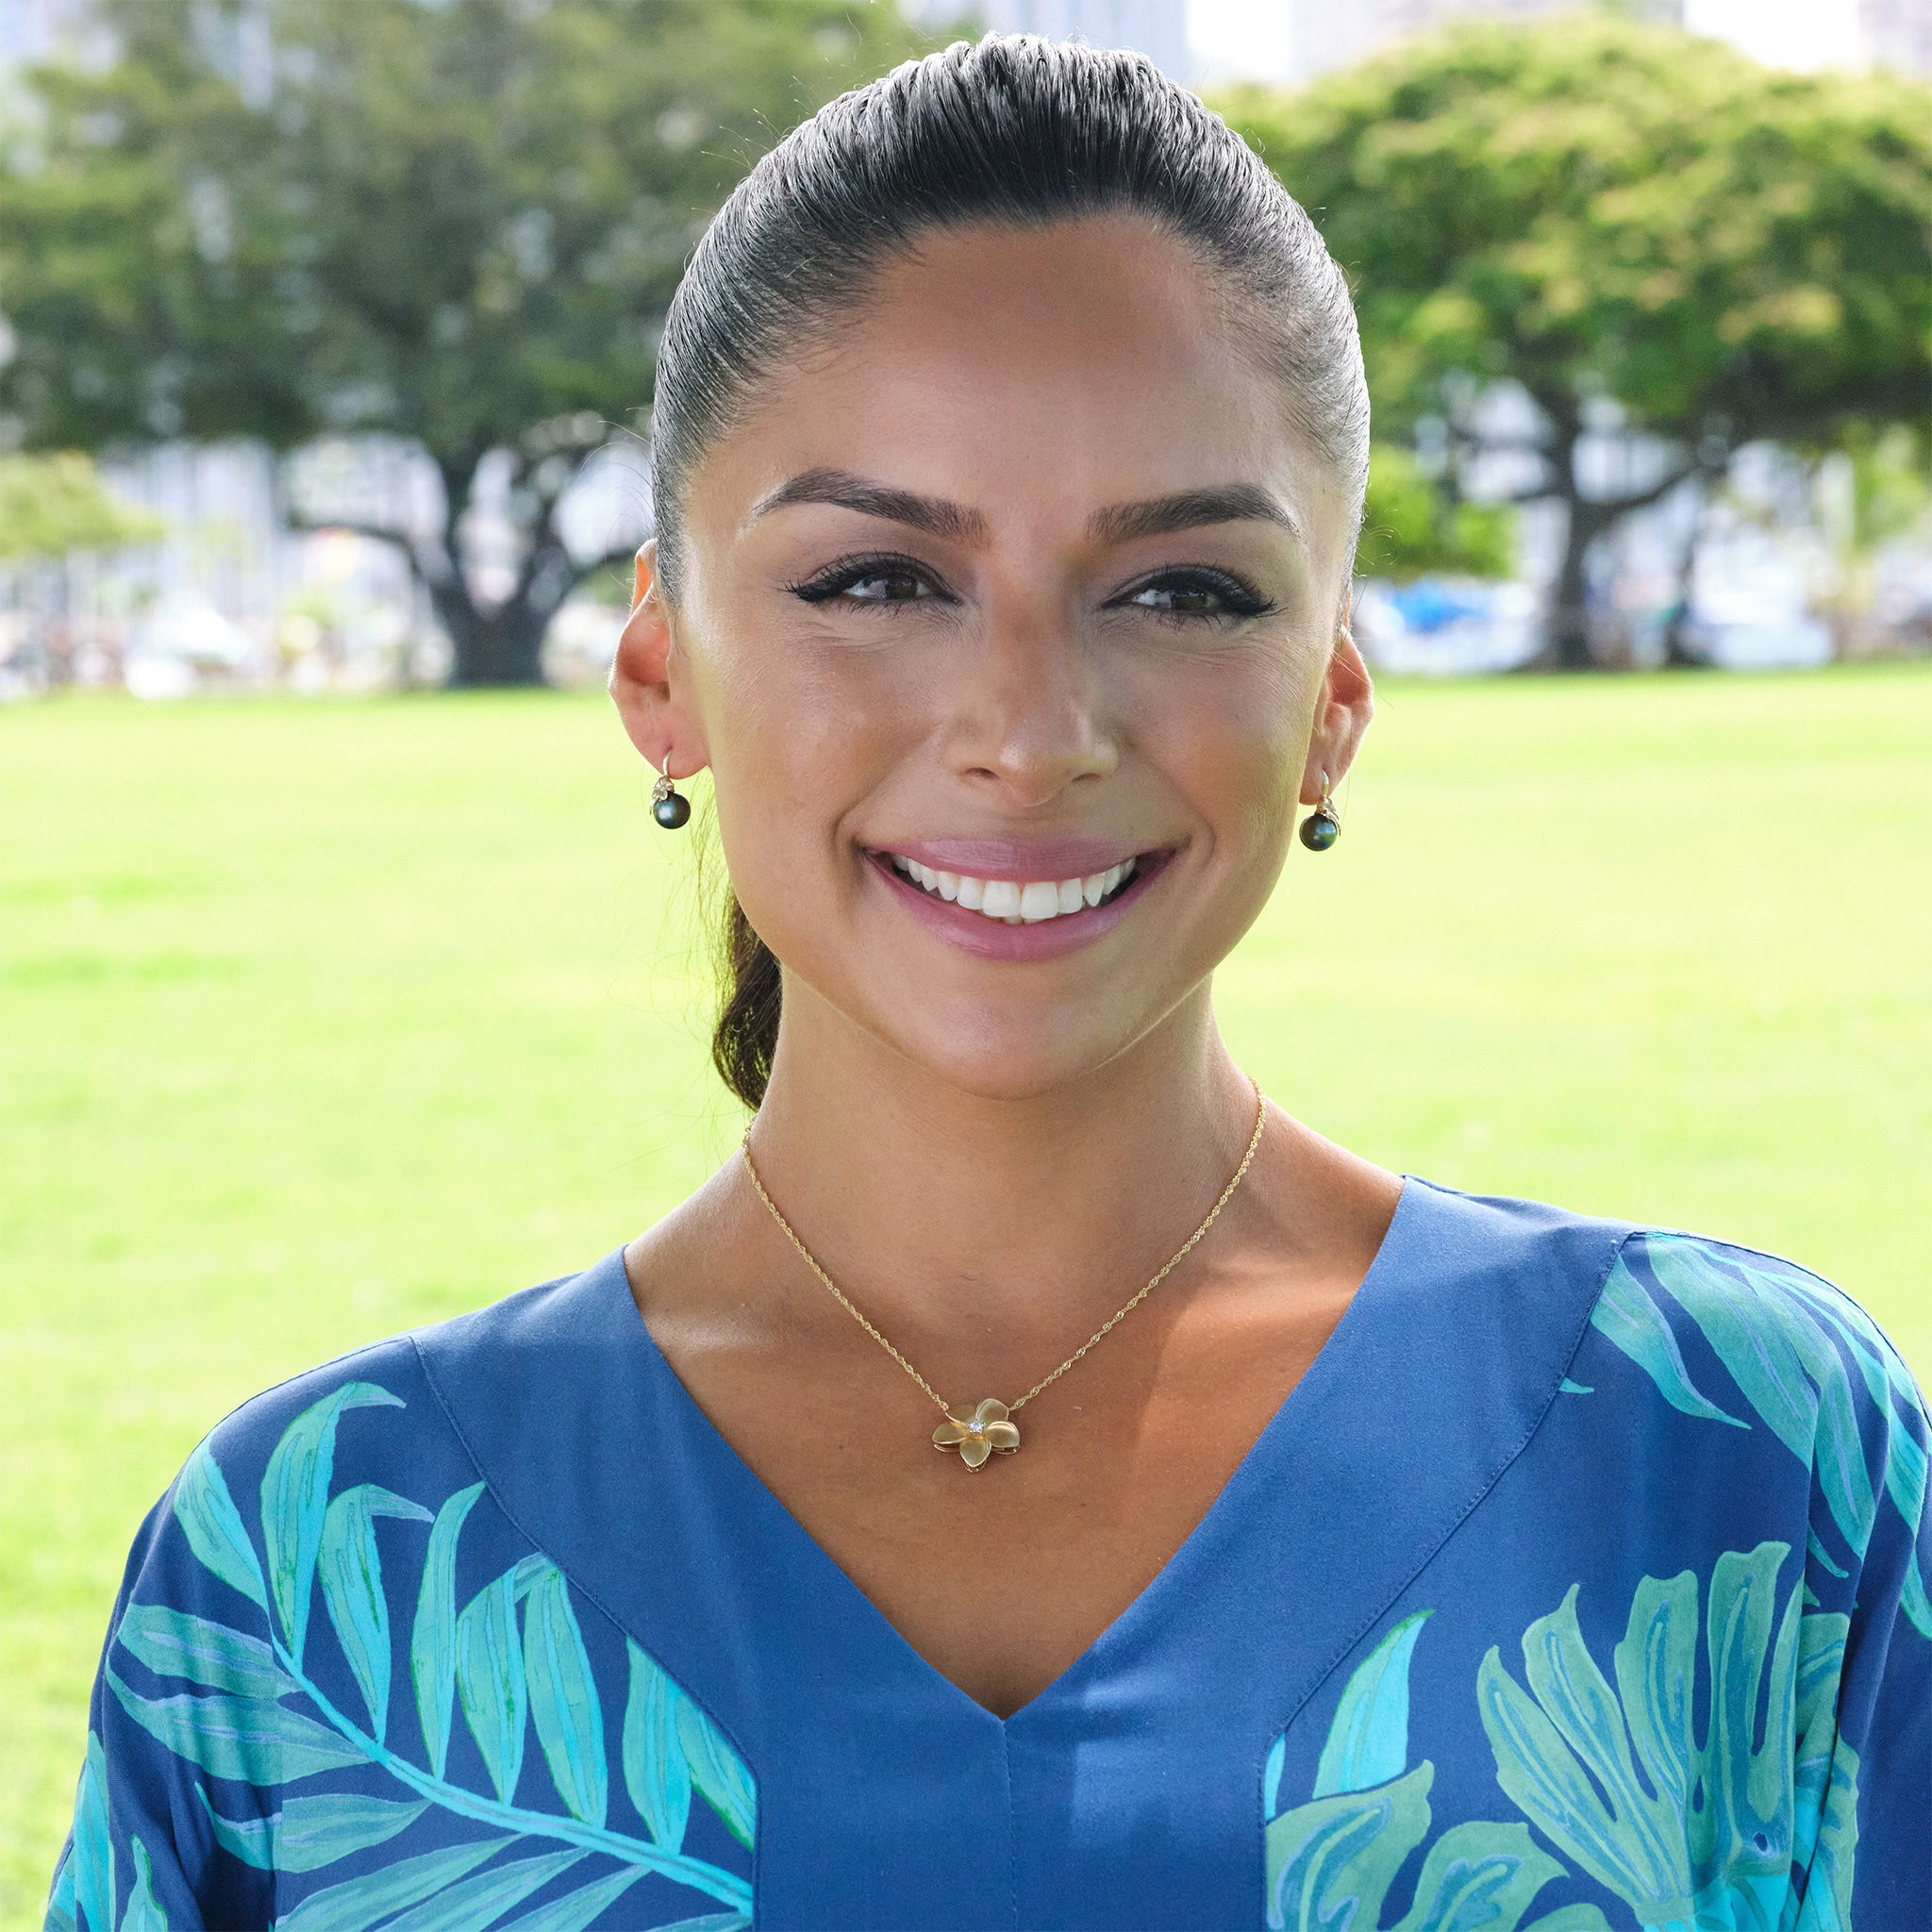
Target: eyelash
<point x="837" y="579"/>
<point x="1239" y="599"/>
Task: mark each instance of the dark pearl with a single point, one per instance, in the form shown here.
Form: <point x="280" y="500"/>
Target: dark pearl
<point x="1319" y="830"/>
<point x="671" y="810"/>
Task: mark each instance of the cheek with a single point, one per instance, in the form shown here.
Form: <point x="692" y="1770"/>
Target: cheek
<point x="1236" y="745"/>
<point x="796" y="735"/>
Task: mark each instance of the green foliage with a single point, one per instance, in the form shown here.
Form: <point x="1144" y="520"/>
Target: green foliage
<point x="1411" y="527"/>
<point x="52" y="505"/>
<point x="1597" y="208"/>
<point x="452" y="222"/>
<point x="1597" y="202"/>
<point x="458" y="223"/>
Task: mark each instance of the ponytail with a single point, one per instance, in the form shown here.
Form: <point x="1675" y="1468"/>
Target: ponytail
<point x="746" y="1035"/>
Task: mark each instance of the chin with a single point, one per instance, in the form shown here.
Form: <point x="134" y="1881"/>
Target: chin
<point x="1016" y="1055"/>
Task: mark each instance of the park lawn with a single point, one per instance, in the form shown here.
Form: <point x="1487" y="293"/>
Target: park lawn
<point x="321" y="1020"/>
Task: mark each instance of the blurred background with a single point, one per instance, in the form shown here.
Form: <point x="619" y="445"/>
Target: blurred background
<point x="344" y="983"/>
<point x="325" y="330"/>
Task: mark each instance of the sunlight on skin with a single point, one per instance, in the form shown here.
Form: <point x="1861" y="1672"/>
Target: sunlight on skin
<point x="1035" y="381"/>
<point x="1099" y="621"/>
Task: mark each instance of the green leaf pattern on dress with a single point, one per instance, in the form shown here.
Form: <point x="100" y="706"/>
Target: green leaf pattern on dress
<point x="1689" y="1833"/>
<point x="1330" y="1862"/>
<point x="1792" y="1370"/>
<point x="513" y="1658"/>
<point x="1693" y="1836"/>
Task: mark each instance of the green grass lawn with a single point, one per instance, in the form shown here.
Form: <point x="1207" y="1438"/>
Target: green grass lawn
<point x="321" y="1020"/>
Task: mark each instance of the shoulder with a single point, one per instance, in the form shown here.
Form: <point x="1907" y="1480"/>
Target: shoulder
<point x="506" y="1342"/>
<point x="1646" y="1287"/>
<point x="1787" y="1339"/>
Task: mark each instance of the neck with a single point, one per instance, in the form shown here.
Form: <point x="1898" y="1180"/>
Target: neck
<point x="960" y="1223"/>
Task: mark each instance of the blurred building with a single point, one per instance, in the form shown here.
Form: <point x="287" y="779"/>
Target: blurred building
<point x="33" y="29"/>
<point x="1158" y="29"/>
<point x="1898" y="33"/>
<point x="1327" y="34"/>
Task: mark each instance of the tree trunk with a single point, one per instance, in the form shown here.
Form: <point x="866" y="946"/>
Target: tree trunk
<point x="500" y="644"/>
<point x="1567" y="645"/>
<point x="503" y="646"/>
<point x="1677" y="651"/>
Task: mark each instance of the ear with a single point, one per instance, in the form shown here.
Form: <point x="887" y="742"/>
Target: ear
<point x="649" y="683"/>
<point x="1343" y="706"/>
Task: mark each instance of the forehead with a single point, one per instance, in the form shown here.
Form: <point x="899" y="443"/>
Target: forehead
<point x="1097" y="361"/>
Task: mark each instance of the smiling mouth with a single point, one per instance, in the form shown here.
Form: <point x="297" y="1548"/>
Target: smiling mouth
<point x="1010" y="902"/>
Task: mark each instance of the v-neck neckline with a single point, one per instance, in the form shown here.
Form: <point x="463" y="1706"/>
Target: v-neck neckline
<point x="1436" y="1377"/>
<point x="1164" y="1578"/>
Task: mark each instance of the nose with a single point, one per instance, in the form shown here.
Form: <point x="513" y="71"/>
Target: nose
<point x="1029" y="711"/>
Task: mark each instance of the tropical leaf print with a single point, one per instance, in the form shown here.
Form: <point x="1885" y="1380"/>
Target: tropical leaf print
<point x="490" y="1681"/>
<point x="212" y="1524"/>
<point x="360" y="1900"/>
<point x="174" y="1644"/>
<point x="563" y="1698"/>
<point x="142" y="1913"/>
<point x="308" y="1833"/>
<point x="94" y="1844"/>
<point x="432" y="1641"/>
<point x="1330" y="1862"/>
<point x="1368" y="1743"/>
<point x="655" y="1769"/>
<point x="352" y="1588"/>
<point x="1784" y="1339"/>
<point x="294" y="1501"/>
<point x="1687" y="1833"/>
<point x="515" y="1659"/>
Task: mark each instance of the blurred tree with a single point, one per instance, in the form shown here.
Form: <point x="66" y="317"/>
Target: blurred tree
<point x="1410" y="528"/>
<point x="458" y="223"/>
<point x="53" y="506"/>
<point x="1611" y="213"/>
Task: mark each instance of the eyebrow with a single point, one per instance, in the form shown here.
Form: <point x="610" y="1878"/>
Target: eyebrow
<point x="1120" y="523"/>
<point x="932" y="514"/>
<point x="1190" y="510"/>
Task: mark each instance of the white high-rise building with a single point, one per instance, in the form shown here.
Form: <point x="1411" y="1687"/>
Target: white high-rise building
<point x="1158" y="29"/>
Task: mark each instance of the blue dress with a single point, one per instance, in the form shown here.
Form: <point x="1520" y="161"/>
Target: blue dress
<point x="1580" y="1583"/>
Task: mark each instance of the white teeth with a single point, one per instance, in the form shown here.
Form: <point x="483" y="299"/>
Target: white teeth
<point x="1012" y="901"/>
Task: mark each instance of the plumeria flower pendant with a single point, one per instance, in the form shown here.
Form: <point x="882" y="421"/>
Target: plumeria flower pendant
<point x="977" y="1440"/>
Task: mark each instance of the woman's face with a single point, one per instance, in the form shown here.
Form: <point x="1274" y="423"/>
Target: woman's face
<point x="1021" y="597"/>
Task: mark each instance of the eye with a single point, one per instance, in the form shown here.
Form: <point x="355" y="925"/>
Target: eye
<point x="877" y="581"/>
<point x="1197" y="593"/>
<point x="889" y="587"/>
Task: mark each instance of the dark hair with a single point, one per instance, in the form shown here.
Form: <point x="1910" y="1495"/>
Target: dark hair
<point x="1014" y="131"/>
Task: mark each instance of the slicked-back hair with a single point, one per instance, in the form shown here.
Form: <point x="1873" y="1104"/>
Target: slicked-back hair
<point x="1015" y="132"/>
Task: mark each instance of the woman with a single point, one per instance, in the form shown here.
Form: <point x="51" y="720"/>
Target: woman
<point x="1386" y="1556"/>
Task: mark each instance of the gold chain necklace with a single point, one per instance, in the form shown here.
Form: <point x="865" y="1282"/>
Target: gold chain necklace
<point x="991" y="1426"/>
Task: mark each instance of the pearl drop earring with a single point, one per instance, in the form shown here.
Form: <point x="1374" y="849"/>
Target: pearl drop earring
<point x="669" y="805"/>
<point x="1321" y="828"/>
